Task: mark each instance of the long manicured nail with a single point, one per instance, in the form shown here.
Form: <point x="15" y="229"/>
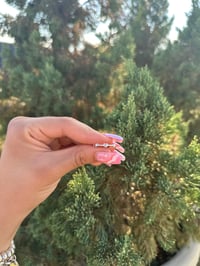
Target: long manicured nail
<point x="110" y="158"/>
<point x="117" y="158"/>
<point x="117" y="138"/>
<point x="119" y="147"/>
<point x="104" y="157"/>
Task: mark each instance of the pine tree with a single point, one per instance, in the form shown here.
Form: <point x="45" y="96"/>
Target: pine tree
<point x="128" y="214"/>
<point x="177" y="67"/>
<point x="149" y="24"/>
<point x="53" y="69"/>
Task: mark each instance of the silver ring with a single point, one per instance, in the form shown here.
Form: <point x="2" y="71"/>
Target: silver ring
<point x="104" y="145"/>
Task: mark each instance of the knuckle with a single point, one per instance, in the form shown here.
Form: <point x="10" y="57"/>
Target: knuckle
<point x="80" y="159"/>
<point x="69" y="119"/>
<point x="18" y="127"/>
<point x="15" y="124"/>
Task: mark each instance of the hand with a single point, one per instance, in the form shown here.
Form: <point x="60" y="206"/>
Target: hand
<point x="36" y="154"/>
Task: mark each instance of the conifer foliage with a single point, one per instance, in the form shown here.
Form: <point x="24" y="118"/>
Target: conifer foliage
<point x="128" y="214"/>
<point x="178" y="69"/>
<point x="149" y="24"/>
<point x="53" y="69"/>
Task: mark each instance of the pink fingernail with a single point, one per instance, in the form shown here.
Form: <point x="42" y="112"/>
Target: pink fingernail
<point x="103" y="157"/>
<point x="110" y="158"/>
<point x="114" y="136"/>
<point x="116" y="158"/>
<point x="119" y="148"/>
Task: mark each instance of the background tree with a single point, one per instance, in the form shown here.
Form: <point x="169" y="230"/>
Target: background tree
<point x="178" y="69"/>
<point x="53" y="69"/>
<point x="149" y="24"/>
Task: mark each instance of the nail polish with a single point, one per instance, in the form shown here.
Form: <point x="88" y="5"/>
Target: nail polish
<point x="103" y="157"/>
<point x="117" y="158"/>
<point x="119" y="147"/>
<point x="117" y="138"/>
<point x="110" y="158"/>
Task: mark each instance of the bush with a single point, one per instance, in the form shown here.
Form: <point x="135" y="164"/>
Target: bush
<point x="129" y="214"/>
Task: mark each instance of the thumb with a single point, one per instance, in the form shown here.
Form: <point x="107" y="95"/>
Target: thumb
<point x="63" y="161"/>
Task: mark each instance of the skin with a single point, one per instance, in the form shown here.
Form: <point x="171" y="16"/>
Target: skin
<point x="37" y="152"/>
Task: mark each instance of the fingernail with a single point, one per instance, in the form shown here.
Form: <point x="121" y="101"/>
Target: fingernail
<point x="104" y="156"/>
<point x="116" y="158"/>
<point x="110" y="158"/>
<point x="114" y="136"/>
<point x="119" y="148"/>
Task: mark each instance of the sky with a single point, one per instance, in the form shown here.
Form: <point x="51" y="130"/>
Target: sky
<point x="177" y="8"/>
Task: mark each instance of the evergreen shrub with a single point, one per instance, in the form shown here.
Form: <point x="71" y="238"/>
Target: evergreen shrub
<point x="132" y="214"/>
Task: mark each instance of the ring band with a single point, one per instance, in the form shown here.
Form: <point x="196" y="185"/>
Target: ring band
<point x="104" y="145"/>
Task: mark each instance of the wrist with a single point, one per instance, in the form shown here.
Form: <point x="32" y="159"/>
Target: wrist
<point x="10" y="217"/>
<point x="10" y="221"/>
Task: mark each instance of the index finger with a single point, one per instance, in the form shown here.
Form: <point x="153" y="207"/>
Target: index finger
<point x="47" y="128"/>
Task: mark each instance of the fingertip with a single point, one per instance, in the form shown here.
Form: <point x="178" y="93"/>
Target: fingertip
<point x="114" y="137"/>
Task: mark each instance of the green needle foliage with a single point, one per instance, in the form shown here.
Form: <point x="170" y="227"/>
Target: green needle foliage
<point x="128" y="214"/>
<point x="149" y="24"/>
<point x="177" y="68"/>
<point x="53" y="68"/>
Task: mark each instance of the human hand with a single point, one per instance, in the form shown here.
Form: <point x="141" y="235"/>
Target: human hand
<point x="36" y="154"/>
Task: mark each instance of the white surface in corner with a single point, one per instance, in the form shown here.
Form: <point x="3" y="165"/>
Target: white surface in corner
<point x="188" y="256"/>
